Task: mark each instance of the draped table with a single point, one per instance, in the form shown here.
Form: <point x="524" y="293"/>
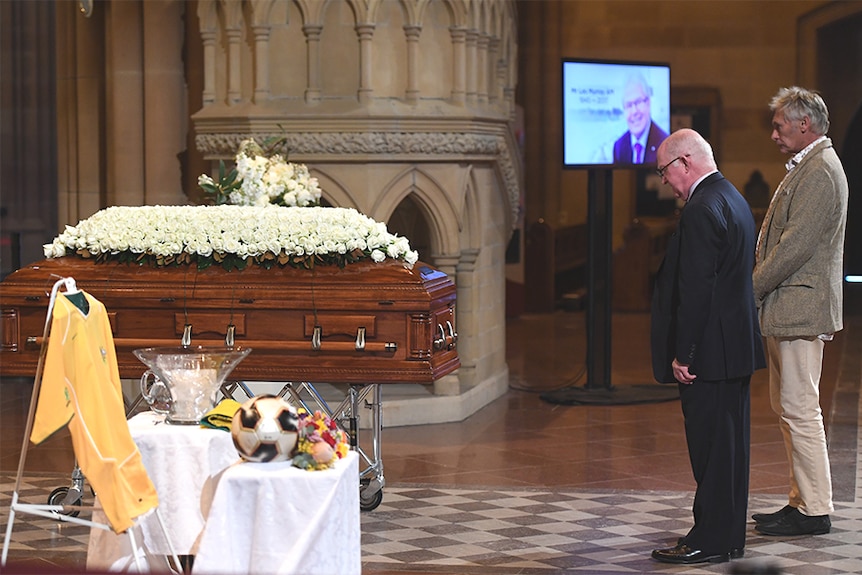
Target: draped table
<point x="275" y="518"/>
<point x="235" y="516"/>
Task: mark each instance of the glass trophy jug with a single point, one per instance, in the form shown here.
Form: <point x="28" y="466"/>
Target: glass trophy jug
<point x="182" y="382"/>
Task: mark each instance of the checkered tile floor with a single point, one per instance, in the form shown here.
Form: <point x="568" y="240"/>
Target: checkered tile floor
<point x="525" y="531"/>
<point x="429" y="529"/>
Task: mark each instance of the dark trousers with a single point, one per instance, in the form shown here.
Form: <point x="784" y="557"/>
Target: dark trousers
<point x="717" y="430"/>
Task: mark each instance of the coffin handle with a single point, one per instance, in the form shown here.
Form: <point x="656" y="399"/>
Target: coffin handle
<point x="452" y="334"/>
<point x="187" y="335"/>
<point x="440" y="342"/>
<point x="315" y="338"/>
<point x="360" y="339"/>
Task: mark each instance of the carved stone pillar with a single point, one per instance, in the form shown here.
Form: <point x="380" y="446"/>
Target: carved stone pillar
<point x="209" y="42"/>
<point x="234" y="88"/>
<point x="124" y="105"/>
<point x="412" y="33"/>
<point x="459" y="65"/>
<point x="468" y="315"/>
<point x="472" y="61"/>
<point x="312" y="40"/>
<point x="261" y="63"/>
<point x="482" y="74"/>
<point x="365" y="32"/>
<point x="495" y="71"/>
<point x="163" y="76"/>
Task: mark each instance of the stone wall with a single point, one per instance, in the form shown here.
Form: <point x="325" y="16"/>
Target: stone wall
<point x="403" y="109"/>
<point x="740" y="52"/>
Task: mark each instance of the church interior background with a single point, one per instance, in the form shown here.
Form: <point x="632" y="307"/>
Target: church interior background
<point x="440" y="118"/>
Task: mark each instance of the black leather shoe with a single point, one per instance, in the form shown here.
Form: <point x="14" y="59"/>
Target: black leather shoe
<point x="770" y="517"/>
<point x="735" y="553"/>
<point x="795" y="523"/>
<point x="684" y="555"/>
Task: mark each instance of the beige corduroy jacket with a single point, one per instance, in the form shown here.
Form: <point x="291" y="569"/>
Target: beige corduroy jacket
<point x="798" y="274"/>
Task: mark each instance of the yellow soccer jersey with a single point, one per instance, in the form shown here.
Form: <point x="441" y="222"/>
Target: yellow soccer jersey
<point x="81" y="388"/>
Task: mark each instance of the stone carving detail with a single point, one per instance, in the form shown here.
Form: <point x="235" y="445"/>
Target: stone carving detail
<point x="430" y="145"/>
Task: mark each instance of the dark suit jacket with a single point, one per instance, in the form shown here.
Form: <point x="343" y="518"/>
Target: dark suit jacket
<point x="703" y="309"/>
<point x="623" y="146"/>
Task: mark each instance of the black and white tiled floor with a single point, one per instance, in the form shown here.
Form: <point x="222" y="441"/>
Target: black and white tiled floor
<point x="446" y="527"/>
<point x="531" y="532"/>
<point x="432" y="529"/>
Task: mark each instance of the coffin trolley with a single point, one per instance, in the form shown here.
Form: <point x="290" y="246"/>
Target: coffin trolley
<point x="364" y="325"/>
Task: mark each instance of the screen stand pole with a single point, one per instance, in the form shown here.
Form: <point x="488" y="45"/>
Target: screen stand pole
<point x="598" y="389"/>
<point x="599" y="259"/>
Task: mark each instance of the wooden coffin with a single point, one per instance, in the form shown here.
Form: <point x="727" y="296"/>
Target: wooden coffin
<point x="366" y="323"/>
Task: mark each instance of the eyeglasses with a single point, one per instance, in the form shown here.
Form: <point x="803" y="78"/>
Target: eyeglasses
<point x="664" y="168"/>
<point x="637" y="102"/>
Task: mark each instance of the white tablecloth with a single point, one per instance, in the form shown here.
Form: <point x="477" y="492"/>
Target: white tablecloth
<point x="234" y="516"/>
<point x="184" y="462"/>
<point x="274" y="518"/>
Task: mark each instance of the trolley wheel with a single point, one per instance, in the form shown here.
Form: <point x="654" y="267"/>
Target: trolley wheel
<point x="58" y="497"/>
<point x="369" y="501"/>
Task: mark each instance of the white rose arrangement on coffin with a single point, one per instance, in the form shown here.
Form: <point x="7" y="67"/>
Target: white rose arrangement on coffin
<point x="325" y="294"/>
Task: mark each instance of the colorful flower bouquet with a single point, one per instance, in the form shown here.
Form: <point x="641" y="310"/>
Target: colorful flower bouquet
<point x="320" y="441"/>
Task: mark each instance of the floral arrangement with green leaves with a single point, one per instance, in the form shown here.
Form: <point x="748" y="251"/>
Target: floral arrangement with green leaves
<point x="231" y="236"/>
<point x="261" y="177"/>
<point x="320" y="442"/>
<point x="266" y="212"/>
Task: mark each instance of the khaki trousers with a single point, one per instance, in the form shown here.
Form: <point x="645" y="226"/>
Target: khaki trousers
<point x="794" y="391"/>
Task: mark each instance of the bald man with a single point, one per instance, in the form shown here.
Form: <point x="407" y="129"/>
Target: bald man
<point x="705" y="337"/>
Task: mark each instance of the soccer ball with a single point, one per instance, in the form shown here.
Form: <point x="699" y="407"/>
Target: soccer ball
<point x="264" y="428"/>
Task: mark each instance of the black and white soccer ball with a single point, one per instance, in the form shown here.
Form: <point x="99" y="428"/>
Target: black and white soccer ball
<point x="264" y="428"/>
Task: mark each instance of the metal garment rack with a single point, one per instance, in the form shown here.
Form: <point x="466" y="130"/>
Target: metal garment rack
<point x="65" y="512"/>
<point x="347" y="414"/>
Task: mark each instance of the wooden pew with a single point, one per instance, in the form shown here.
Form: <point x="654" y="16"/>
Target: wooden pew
<point x="636" y="263"/>
<point x="555" y="266"/>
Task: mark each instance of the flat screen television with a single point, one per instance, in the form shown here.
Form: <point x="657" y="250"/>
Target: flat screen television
<point x="615" y="113"/>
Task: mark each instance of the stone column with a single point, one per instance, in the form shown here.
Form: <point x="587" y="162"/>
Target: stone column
<point x="365" y="33"/>
<point x="312" y="39"/>
<point x="469" y="322"/>
<point x="234" y="88"/>
<point x="164" y="76"/>
<point x="450" y="384"/>
<point x="472" y="71"/>
<point x="482" y="72"/>
<point x="261" y="63"/>
<point x="459" y="65"/>
<point x="125" y="167"/>
<point x="495" y="71"/>
<point x="412" y="33"/>
<point x="209" y="42"/>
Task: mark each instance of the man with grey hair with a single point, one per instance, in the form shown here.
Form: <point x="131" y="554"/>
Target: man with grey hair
<point x="798" y="288"/>
<point x="640" y="142"/>
<point x="705" y="338"/>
